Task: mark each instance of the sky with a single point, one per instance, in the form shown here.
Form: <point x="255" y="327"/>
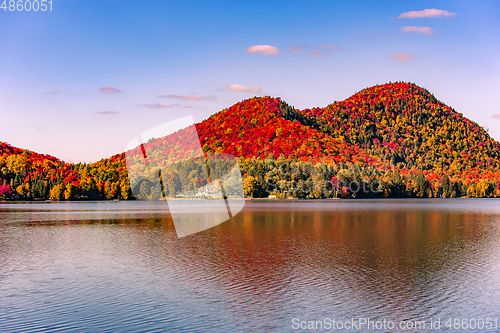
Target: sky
<point x="80" y="81"/>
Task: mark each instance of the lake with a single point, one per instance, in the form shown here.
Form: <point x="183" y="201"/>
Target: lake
<point x="282" y="266"/>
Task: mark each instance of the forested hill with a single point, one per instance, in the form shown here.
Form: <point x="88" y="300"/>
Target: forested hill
<point x="26" y="175"/>
<point x="401" y="122"/>
<point x="268" y="128"/>
<point x="397" y="136"/>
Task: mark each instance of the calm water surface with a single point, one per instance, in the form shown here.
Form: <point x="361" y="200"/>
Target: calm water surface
<point x="119" y="267"/>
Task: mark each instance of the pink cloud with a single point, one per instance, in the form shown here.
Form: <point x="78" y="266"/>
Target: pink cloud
<point x="190" y="98"/>
<point x="263" y="49"/>
<point x="107" y="113"/>
<point x="295" y="50"/>
<point x="496" y="116"/>
<point x="158" y="106"/>
<point x="402" y="57"/>
<point x="332" y="47"/>
<point x="169" y="106"/>
<point x="56" y="92"/>
<point x="323" y="50"/>
<point x="240" y="88"/>
<point x="109" y="90"/>
<point x="317" y="53"/>
<point x="420" y="30"/>
<point x="367" y="37"/>
<point x="427" y="13"/>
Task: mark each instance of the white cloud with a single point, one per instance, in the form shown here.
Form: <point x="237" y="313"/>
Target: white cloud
<point x="432" y="13"/>
<point x="420" y="30"/>
<point x="263" y="49"/>
<point x="240" y="88"/>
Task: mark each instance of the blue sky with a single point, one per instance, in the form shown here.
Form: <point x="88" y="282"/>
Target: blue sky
<point x="81" y="81"/>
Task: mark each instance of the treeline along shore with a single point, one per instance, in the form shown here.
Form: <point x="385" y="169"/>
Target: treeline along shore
<point x="395" y="140"/>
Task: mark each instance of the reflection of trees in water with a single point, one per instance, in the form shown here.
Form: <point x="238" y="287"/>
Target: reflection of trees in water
<point x="345" y="262"/>
<point x="393" y="258"/>
<point x="135" y="221"/>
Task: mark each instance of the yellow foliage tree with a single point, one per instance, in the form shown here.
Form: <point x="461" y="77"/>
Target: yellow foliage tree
<point x="249" y="186"/>
<point x="69" y="192"/>
<point x="56" y="193"/>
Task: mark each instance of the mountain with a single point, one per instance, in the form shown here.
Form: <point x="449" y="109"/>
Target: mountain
<point x="259" y="127"/>
<point x="396" y="139"/>
<point x="263" y="127"/>
<point x="401" y="122"/>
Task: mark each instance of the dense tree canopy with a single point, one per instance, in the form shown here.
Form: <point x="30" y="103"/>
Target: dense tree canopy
<point x="391" y="140"/>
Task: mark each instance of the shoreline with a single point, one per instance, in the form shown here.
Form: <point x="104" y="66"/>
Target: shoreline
<point x="246" y="199"/>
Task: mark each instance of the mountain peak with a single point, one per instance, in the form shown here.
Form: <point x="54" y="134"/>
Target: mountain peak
<point x="394" y="89"/>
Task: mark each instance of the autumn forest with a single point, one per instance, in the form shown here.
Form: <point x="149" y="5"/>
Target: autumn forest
<point x="392" y="140"/>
